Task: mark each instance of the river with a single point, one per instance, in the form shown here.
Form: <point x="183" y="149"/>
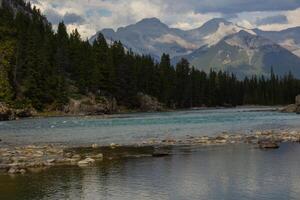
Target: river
<point x="132" y="128"/>
<point x="233" y="171"/>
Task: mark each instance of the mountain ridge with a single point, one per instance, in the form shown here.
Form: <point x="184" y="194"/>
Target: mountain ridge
<point x="153" y="37"/>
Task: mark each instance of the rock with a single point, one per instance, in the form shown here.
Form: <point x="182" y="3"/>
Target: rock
<point x="218" y="140"/>
<point x="268" y="145"/>
<point x="148" y="103"/>
<point x="76" y="157"/>
<point x="87" y="161"/>
<point x="289" y="109"/>
<point x="51" y="161"/>
<point x="221" y="141"/>
<point x="113" y="145"/>
<point x="293" y="108"/>
<point x="27" y="112"/>
<point x="90" y="105"/>
<point x="251" y="139"/>
<point x="160" y="154"/>
<point x="68" y="155"/>
<point x="13" y="170"/>
<point x="6" y="113"/>
<point x="98" y="156"/>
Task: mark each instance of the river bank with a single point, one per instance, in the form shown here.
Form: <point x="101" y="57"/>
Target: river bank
<point x="33" y="158"/>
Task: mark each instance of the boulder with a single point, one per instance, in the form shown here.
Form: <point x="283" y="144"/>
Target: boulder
<point x="90" y="106"/>
<point x="13" y="170"/>
<point x="289" y="109"/>
<point x="293" y="108"/>
<point x="148" y="103"/>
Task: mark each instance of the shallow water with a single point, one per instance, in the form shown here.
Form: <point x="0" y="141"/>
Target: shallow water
<point x="232" y="172"/>
<point x="132" y="128"/>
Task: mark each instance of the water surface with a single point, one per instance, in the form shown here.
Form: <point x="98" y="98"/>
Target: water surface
<point x="233" y="172"/>
<point x="132" y="128"/>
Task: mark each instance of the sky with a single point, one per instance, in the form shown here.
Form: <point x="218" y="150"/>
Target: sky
<point x="90" y="16"/>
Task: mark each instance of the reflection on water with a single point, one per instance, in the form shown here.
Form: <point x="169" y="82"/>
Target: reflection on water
<point x="128" y="129"/>
<point x="228" y="172"/>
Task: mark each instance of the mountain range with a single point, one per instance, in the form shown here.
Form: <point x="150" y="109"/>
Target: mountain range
<point x="218" y="44"/>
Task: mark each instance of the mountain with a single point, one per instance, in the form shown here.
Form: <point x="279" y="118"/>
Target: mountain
<point x="289" y="38"/>
<point x="245" y="55"/>
<point x="217" y="44"/>
<point x="151" y="36"/>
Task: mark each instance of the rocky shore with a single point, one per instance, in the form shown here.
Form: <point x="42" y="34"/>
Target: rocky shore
<point x="83" y="106"/>
<point x="26" y="159"/>
<point x="7" y="113"/>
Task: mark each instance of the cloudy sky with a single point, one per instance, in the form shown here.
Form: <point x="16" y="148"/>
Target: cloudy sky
<point x="90" y="16"/>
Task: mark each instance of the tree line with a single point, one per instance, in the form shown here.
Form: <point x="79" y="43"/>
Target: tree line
<point x="44" y="68"/>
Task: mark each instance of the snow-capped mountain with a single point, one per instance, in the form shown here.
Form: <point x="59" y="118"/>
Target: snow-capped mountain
<point x="289" y="38"/>
<point x="151" y="36"/>
<point x="245" y="54"/>
<point x="217" y="44"/>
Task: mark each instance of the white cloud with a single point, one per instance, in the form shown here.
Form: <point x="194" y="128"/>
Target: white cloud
<point x="99" y="14"/>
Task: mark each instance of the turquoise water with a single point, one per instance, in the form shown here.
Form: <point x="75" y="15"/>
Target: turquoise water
<point x="132" y="128"/>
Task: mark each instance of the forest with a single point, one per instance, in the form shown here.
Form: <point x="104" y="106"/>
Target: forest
<point x="43" y="68"/>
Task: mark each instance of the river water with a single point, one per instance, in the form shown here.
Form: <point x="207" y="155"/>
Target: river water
<point x="233" y="172"/>
<point x="133" y="128"/>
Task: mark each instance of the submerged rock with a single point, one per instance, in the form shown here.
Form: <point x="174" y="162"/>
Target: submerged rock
<point x="268" y="145"/>
<point x="161" y="152"/>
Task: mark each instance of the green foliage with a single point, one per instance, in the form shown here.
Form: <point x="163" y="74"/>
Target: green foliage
<point x="41" y="68"/>
<point x="6" y="58"/>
